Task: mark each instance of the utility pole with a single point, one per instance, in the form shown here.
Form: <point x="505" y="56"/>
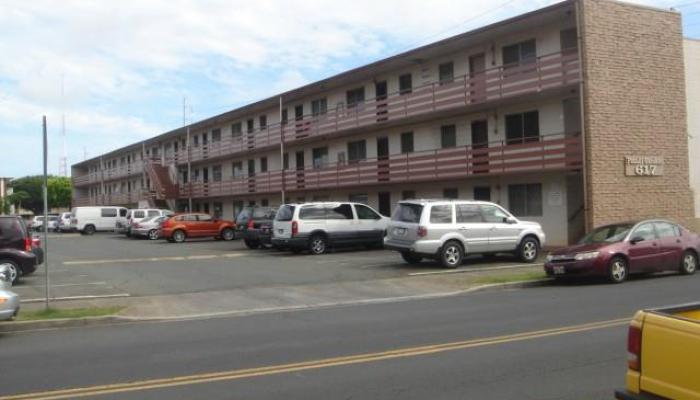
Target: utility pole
<point x="189" y="164"/>
<point x="46" y="215"/>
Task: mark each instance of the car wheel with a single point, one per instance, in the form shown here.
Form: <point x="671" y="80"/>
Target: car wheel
<point x="529" y="250"/>
<point x="411" y="258"/>
<point x="451" y="255"/>
<point x="153" y="234"/>
<point x="227" y="234"/>
<point x="618" y="270"/>
<point x="251" y="244"/>
<point x="317" y="245"/>
<point x="15" y="271"/>
<point x="179" y="236"/>
<point x="689" y="264"/>
<point x="89" y="230"/>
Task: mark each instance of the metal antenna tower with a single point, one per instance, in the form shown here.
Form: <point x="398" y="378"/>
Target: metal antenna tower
<point x="63" y="161"/>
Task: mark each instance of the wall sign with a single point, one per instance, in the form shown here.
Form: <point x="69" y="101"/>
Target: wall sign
<point x="644" y="165"/>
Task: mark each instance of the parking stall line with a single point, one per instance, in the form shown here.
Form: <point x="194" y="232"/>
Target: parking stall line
<point x="89" y="297"/>
<point x="475" y="269"/>
<point x="62" y="285"/>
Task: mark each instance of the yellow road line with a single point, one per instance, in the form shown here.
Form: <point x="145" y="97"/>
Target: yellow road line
<point x="309" y="365"/>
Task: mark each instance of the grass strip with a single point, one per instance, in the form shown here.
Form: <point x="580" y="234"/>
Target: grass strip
<point x="58" y="313"/>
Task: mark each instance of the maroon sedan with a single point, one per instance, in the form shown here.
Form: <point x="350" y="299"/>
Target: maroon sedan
<point x="616" y="251"/>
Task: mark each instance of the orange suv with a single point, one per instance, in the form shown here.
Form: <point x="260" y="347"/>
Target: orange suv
<point x="182" y="226"/>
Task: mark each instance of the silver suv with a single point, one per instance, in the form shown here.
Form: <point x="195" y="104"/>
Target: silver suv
<point x="447" y="230"/>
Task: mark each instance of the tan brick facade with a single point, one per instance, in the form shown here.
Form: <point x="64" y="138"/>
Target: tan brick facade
<point x="634" y="104"/>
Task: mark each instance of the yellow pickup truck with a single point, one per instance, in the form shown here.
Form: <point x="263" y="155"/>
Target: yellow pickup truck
<point x="663" y="347"/>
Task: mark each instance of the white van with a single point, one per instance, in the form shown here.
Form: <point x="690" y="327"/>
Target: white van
<point x="88" y="220"/>
<point x="136" y="215"/>
<point x="316" y="226"/>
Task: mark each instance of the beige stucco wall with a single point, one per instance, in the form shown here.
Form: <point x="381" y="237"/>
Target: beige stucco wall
<point x="691" y="51"/>
<point x="634" y="104"/>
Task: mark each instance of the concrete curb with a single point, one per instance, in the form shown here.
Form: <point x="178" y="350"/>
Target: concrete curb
<point x="22" y="326"/>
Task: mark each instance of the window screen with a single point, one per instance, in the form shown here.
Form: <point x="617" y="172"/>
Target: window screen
<point x="448" y="136"/>
<point x="525" y="200"/>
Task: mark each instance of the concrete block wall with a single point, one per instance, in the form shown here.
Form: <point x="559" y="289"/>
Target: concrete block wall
<point x="634" y="104"/>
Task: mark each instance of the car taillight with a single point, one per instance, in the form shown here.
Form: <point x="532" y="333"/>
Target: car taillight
<point x="295" y="228"/>
<point x="634" y="348"/>
<point x="251" y="223"/>
<point x="422" y="231"/>
<point x="27" y="244"/>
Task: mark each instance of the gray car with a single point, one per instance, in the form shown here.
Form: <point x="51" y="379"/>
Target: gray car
<point x="148" y="227"/>
<point x="447" y="230"/>
<point x="9" y="301"/>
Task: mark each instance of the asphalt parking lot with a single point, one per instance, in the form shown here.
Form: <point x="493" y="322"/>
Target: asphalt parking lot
<point x="111" y="265"/>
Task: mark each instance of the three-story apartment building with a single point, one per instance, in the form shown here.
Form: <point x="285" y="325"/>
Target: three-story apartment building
<point x="550" y="114"/>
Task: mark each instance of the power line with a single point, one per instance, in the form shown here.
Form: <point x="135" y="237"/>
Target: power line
<point x="686" y="4"/>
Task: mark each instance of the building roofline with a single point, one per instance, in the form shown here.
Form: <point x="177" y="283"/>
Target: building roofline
<point x="301" y="91"/>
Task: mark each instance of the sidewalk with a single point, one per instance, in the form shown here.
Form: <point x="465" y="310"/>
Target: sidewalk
<point x="279" y="298"/>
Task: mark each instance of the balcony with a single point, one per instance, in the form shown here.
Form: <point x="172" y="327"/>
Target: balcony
<point x="557" y="152"/>
<point x="124" y="171"/>
<point x="547" y="72"/>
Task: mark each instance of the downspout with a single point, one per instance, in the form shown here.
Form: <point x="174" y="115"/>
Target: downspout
<point x="584" y="163"/>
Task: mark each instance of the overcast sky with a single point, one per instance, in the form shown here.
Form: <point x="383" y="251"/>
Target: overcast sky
<point x="126" y="65"/>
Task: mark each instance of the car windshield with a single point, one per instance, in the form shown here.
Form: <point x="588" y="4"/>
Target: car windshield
<point x="607" y="234"/>
<point x="407" y="212"/>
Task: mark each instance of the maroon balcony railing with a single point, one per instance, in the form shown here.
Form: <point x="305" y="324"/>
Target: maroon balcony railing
<point x="545" y="72"/>
<point x="261" y="182"/>
<point x="544" y="153"/>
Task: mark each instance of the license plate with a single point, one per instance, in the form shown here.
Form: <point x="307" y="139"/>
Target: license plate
<point x="559" y="269"/>
<point x="399" y="231"/>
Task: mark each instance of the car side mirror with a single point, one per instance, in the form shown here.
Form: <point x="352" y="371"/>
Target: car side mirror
<point x="636" y="239"/>
<point x="508" y="220"/>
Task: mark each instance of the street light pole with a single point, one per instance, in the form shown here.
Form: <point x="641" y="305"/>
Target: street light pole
<point x="46" y="216"/>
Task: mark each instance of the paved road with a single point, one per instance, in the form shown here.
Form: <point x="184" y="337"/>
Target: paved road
<point x="112" y="265"/>
<point x="517" y="344"/>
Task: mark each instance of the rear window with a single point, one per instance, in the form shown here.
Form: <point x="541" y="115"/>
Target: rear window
<point x="407" y="213"/>
<point x="285" y="213"/>
<point x="11" y="228"/>
<point x="312" y="212"/>
<point x="138" y="214"/>
<point x="441" y="214"/>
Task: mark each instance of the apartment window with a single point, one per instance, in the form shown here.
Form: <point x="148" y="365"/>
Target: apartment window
<point x="448" y="136"/>
<point x="204" y="143"/>
<point x="216" y="173"/>
<point x="195" y="139"/>
<point x="319" y="156"/>
<point x="446" y="72"/>
<point x="218" y="209"/>
<point x="206" y="211"/>
<point x="236" y="130"/>
<point x="568" y="39"/>
<point x="405" y="83"/>
<point x="408" y="194"/>
<point x="237" y="169"/>
<point x="450" y="193"/>
<point x="263" y="121"/>
<point x="519" y="53"/>
<point x="407" y="142"/>
<point x="357" y="150"/>
<point x="264" y="202"/>
<point x="299" y="112"/>
<point x="285" y="161"/>
<point x="251" y="167"/>
<point x="263" y="164"/>
<point x="523" y="127"/>
<point x="318" y="107"/>
<point x="285" y="117"/>
<point x="216" y="135"/>
<point x="482" y="193"/>
<point x="525" y="200"/>
<point x="361" y="198"/>
<point x="355" y="96"/>
<point x="251" y="203"/>
<point x="250" y="125"/>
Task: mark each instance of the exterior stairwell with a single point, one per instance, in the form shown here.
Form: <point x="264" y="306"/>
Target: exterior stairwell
<point x="163" y="191"/>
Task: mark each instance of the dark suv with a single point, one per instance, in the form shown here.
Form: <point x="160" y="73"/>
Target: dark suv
<point x="16" y="247"/>
<point x="255" y="225"/>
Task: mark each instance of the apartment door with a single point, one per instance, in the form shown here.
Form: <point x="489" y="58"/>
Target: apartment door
<point x="480" y="146"/>
<point x="385" y="203"/>
<point x="383" y="159"/>
<point x="381" y="100"/>
<point x="251" y="176"/>
<point x="477" y="78"/>
<point x="300" y="169"/>
<point x="572" y="127"/>
<point x="299" y="124"/>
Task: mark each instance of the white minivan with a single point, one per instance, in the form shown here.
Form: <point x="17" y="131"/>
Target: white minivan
<point x="88" y="220"/>
<point x="317" y="226"/>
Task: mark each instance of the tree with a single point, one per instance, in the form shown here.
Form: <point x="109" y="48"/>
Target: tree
<point x="17" y="198"/>
<point x="58" y="192"/>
